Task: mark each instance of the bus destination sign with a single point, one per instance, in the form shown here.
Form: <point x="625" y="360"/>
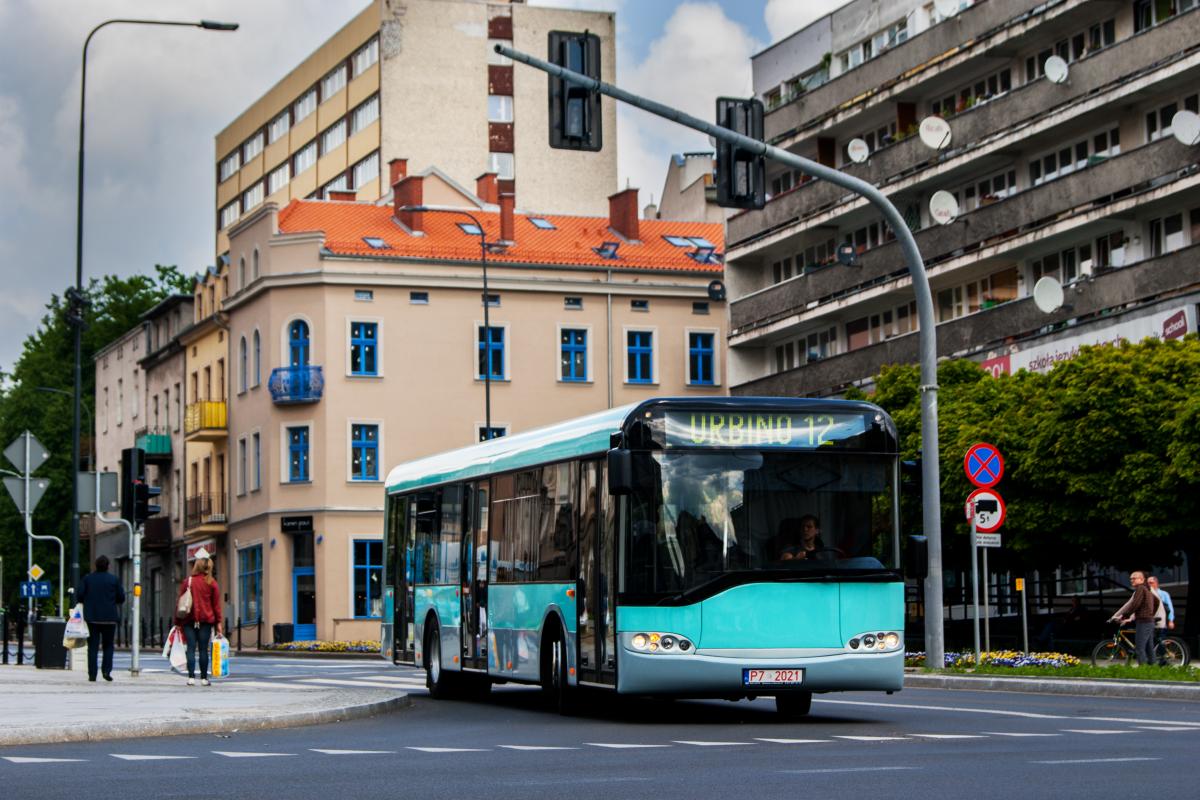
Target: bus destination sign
<point x="761" y="429"/>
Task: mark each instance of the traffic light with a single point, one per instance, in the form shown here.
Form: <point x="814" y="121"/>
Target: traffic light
<point x="574" y="110"/>
<point x="136" y="493"/>
<point x="143" y="508"/>
<point x="741" y="175"/>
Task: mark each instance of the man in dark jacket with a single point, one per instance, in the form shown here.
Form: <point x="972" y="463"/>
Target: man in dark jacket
<point x="1141" y="608"/>
<point x="101" y="593"/>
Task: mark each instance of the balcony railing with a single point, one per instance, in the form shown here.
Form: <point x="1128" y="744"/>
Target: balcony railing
<point x="156" y="442"/>
<point x="290" y="385"/>
<point x="205" y="509"/>
<point x="206" y="415"/>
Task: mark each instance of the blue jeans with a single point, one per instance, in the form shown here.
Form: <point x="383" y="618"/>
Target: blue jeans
<point x="198" y="636"/>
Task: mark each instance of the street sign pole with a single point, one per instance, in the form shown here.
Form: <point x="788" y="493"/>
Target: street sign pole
<point x="987" y="613"/>
<point x="135" y="548"/>
<point x="974" y="586"/>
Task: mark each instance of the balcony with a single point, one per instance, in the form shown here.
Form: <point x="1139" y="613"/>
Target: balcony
<point x="998" y="326"/>
<point x="1105" y="71"/>
<point x="296" y="385"/>
<point x="156" y="442"/>
<point x="1135" y="170"/>
<point x="206" y="511"/>
<point x="205" y="421"/>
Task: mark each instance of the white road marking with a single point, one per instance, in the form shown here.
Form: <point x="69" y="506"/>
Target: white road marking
<point x="1093" y="731"/>
<point x="1096" y="760"/>
<point x="949" y="735"/>
<point x="619" y="746"/>
<point x="873" y="738"/>
<point x="32" y="760"/>
<point x="1026" y="714"/>
<point x="236" y="754"/>
<point x="352" y="752"/>
<point x="999" y="733"/>
<point x="711" y="744"/>
<point x="346" y="682"/>
<point x="1166" y="728"/>
<point x="794" y="741"/>
<point x="845" y="769"/>
<point x="534" y="747"/>
<point x="149" y="758"/>
<point x="267" y="685"/>
<point x="1124" y="719"/>
<point x="449" y="749"/>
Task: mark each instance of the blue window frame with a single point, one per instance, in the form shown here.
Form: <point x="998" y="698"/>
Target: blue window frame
<point x="298" y="344"/>
<point x="364" y="452"/>
<point x="700" y="359"/>
<point x="491" y="353"/>
<point x="364" y="346"/>
<point x="641" y="356"/>
<point x="574" y="354"/>
<point x="368" y="579"/>
<point x="250" y="584"/>
<point x="298" y="453"/>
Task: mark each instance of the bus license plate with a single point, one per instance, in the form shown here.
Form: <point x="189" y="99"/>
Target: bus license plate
<point x="772" y="677"/>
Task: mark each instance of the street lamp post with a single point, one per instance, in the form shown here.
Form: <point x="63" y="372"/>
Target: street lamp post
<point x="484" y="248"/>
<point x="77" y="303"/>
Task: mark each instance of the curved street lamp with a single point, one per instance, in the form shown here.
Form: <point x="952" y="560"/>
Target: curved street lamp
<point x="77" y="302"/>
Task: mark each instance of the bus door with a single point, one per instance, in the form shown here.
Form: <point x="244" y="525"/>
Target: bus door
<point x="597" y="653"/>
<point x="474" y="576"/>
<point x="398" y="611"/>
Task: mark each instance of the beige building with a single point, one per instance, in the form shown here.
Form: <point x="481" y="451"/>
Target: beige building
<point x="689" y="191"/>
<point x="416" y="79"/>
<point x="362" y="336"/>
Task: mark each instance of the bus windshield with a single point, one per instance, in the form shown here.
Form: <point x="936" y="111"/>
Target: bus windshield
<point x="793" y="514"/>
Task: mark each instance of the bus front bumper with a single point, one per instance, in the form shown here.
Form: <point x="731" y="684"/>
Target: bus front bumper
<point x="701" y="675"/>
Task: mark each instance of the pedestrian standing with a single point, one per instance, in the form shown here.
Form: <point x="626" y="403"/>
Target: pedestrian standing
<point x="199" y="620"/>
<point x="1164" y="620"/>
<point x="101" y="593"/>
<point x="1140" y="609"/>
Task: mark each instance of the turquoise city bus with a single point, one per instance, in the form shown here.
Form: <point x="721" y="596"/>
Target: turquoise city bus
<point x="687" y="547"/>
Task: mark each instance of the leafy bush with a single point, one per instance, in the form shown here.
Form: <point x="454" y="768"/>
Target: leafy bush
<point x="364" y="646"/>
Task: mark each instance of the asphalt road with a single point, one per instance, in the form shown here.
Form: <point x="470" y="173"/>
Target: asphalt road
<point x="917" y="743"/>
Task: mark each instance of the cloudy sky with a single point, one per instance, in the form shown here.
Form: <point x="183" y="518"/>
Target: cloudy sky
<point x="157" y="96"/>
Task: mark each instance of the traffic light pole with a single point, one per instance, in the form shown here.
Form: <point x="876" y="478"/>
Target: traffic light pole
<point x="934" y="624"/>
<point x="135" y="550"/>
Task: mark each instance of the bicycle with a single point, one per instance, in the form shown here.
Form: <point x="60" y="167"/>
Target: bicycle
<point x="1117" y="651"/>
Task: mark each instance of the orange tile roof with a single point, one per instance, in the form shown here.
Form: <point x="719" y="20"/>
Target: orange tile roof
<point x="345" y="224"/>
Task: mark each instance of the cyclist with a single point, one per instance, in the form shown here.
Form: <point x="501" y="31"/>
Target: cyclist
<point x="1140" y="608"/>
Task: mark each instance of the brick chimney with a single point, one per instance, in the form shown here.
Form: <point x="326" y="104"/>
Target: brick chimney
<point x="409" y="191"/>
<point x="623" y="213"/>
<point x="507" y="185"/>
<point x="397" y="169"/>
<point x="487" y="188"/>
<point x="508" y="202"/>
<point x="342" y="194"/>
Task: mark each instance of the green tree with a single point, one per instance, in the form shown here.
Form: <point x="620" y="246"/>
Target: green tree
<point x="47" y="360"/>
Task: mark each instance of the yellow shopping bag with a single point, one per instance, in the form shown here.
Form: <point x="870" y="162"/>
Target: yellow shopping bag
<point x="219" y="663"/>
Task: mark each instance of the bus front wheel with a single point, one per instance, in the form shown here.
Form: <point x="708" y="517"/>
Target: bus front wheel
<point x="558" y="691"/>
<point x="793" y="705"/>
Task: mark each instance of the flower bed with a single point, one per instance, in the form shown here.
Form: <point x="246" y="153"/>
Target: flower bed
<point x="998" y="658"/>
<point x="365" y="646"/>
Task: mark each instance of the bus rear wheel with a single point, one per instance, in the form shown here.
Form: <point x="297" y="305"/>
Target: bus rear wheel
<point x="793" y="705"/>
<point x="437" y="680"/>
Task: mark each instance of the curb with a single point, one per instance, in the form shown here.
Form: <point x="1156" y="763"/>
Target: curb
<point x="1065" y="686"/>
<point x="57" y="734"/>
<point x="305" y="654"/>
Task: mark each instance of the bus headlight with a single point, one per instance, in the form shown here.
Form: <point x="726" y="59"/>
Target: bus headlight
<point x="639" y="641"/>
<point x="876" y="642"/>
<point x="659" y="643"/>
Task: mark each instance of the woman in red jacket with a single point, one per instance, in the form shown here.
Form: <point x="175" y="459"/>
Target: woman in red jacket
<point x="198" y="623"/>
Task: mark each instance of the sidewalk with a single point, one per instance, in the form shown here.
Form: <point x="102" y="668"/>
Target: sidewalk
<point x="43" y="706"/>
<point x="1098" y="687"/>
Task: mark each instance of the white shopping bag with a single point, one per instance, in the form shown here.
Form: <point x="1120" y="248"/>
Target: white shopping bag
<point x="76" y="632"/>
<point x="175" y="650"/>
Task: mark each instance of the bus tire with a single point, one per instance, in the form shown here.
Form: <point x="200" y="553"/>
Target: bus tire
<point x="437" y="680"/>
<point x="793" y="705"/>
<point x="559" y="694"/>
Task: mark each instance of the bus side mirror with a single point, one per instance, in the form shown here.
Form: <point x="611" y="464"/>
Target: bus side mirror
<point x="916" y="559"/>
<point x="620" y="471"/>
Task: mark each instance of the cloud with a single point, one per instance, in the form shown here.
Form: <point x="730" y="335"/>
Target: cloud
<point x="701" y="55"/>
<point x="785" y="17"/>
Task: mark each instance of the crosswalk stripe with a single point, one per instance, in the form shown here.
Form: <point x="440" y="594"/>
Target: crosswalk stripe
<point x="1008" y="733"/>
<point x="949" y="735"/>
<point x="1097" y="760"/>
<point x="710" y="744"/>
<point x="449" y="749"/>
<point x="352" y="752"/>
<point x="795" y="741"/>
<point x="534" y="747"/>
<point x="32" y="760"/>
<point x="346" y="682"/>
<point x="138" y="757"/>
<point x="621" y="746"/>
<point x="235" y="754"/>
<point x="873" y="738"/>
<point x="1166" y="728"/>
<point x="1095" y="731"/>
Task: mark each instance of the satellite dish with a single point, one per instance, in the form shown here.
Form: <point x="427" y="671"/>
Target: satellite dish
<point x="943" y="207"/>
<point x="1048" y="295"/>
<point x="935" y="133"/>
<point x="716" y="290"/>
<point x="1056" y="69"/>
<point x="858" y="150"/>
<point x="946" y="8"/>
<point x="1185" y="126"/>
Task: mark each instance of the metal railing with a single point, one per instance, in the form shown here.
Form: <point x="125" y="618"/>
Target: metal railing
<point x="296" y="384"/>
<point x="156" y="441"/>
<point x="204" y="415"/>
<point x="210" y="508"/>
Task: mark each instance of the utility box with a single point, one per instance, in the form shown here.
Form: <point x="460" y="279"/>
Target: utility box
<point x="284" y="632"/>
<point x="49" y="652"/>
